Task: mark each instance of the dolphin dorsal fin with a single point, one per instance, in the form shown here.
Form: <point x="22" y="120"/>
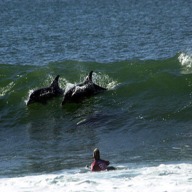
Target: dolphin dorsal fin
<point x="55" y="81"/>
<point x="89" y="77"/>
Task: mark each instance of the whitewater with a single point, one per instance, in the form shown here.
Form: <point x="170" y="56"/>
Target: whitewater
<point x="164" y="177"/>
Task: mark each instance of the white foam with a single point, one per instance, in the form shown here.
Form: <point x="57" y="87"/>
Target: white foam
<point x="104" y="80"/>
<point x="6" y="89"/>
<point x="186" y="62"/>
<point x="68" y="87"/>
<point x="29" y="93"/>
<point x="162" y="178"/>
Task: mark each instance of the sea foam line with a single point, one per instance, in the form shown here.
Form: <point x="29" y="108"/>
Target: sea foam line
<point x="169" y="178"/>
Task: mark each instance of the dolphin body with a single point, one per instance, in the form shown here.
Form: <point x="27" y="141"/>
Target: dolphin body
<point x="81" y="91"/>
<point x="44" y="94"/>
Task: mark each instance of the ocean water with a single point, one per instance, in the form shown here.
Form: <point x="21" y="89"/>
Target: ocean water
<point x="140" y="51"/>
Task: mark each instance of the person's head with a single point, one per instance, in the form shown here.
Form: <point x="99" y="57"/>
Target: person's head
<point x="96" y="154"/>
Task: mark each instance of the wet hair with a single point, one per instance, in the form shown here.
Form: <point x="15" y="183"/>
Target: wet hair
<point x="96" y="154"/>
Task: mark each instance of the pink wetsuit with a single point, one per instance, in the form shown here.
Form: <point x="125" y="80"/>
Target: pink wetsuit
<point x="99" y="165"/>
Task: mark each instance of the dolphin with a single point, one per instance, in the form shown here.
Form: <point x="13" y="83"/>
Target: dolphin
<point x="43" y="94"/>
<point x="82" y="90"/>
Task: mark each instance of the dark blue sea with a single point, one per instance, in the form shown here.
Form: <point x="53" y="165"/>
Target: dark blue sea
<point x="141" y="51"/>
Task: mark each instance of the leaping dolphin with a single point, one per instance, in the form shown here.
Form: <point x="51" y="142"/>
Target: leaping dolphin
<point x="44" y="94"/>
<point x="81" y="91"/>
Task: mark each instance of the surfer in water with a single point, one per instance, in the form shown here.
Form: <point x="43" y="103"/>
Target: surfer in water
<point x="99" y="164"/>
